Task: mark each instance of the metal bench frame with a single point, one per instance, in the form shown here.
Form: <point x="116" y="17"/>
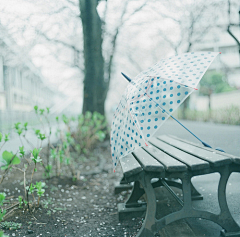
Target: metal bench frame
<point x="143" y="184"/>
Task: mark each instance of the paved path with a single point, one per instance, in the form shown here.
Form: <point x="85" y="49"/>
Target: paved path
<point x="217" y="135"/>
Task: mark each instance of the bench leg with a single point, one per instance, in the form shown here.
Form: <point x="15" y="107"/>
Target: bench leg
<point x="137" y="192"/>
<point x="148" y="227"/>
<point x="195" y="194"/>
<point x="224" y="219"/>
<point x="132" y="207"/>
<point x="122" y="185"/>
<point x="231" y="228"/>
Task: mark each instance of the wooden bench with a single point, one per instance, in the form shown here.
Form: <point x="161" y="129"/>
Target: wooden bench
<point x="165" y="162"/>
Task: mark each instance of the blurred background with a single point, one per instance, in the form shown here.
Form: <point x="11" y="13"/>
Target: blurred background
<point x="69" y="54"/>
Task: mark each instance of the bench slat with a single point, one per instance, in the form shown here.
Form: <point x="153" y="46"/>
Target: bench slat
<point x="212" y="157"/>
<point x="130" y="166"/>
<point x="236" y="159"/>
<point x="147" y="161"/>
<point x="170" y="164"/>
<point x="191" y="161"/>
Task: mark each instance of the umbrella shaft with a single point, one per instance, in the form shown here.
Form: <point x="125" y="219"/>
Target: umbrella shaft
<point x="204" y="143"/>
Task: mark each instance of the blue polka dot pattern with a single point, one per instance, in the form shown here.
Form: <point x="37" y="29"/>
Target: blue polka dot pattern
<point x="151" y="97"/>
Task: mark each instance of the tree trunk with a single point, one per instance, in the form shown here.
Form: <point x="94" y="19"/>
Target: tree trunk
<point x="95" y="88"/>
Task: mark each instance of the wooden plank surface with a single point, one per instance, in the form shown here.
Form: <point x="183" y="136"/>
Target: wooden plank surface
<point x="130" y="165"/>
<point x="212" y="157"/>
<point x="235" y="159"/>
<point x="170" y="164"/>
<point x="191" y="161"/>
<point x="147" y="161"/>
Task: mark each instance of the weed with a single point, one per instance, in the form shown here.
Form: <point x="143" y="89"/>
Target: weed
<point x="10" y="225"/>
<point x="3" y="212"/>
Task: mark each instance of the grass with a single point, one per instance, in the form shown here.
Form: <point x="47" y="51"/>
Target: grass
<point x="229" y="115"/>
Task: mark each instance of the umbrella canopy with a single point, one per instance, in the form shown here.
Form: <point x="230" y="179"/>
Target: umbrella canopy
<point x="151" y="97"/>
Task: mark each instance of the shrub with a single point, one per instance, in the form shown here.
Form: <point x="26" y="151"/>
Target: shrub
<point x="229" y="115"/>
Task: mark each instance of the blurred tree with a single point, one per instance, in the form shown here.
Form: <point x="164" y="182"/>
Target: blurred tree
<point x="193" y="20"/>
<point x="97" y="70"/>
<point x="79" y="35"/>
<point x="236" y="6"/>
<point x="95" y="88"/>
<point x="213" y="82"/>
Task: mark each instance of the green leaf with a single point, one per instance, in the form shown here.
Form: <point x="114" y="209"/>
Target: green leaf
<point x="25" y="126"/>
<point x="53" y="153"/>
<point x="36" y="109"/>
<point x="8" y="156"/>
<point x="2" y="214"/>
<point x="19" y="131"/>
<point x="40" y="188"/>
<point x="41" y="136"/>
<point x="2" y="198"/>
<point x="2" y="234"/>
<point x="65" y="119"/>
<point x="21" y="150"/>
<point x="42" y="111"/>
<point x="16" y="125"/>
<point x="1" y="136"/>
<point x="100" y="135"/>
<point x="6" y="137"/>
<point x="30" y="189"/>
<point x="88" y="115"/>
<point x="35" y="152"/>
<point x="48" y="110"/>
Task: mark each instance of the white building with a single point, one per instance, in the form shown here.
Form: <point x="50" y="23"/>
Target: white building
<point x="228" y="62"/>
<point x="21" y="83"/>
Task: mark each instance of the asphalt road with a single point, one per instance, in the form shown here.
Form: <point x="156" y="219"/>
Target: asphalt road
<point x="226" y="137"/>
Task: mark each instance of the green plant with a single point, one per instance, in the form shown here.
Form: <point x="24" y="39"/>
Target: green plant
<point x="9" y="159"/>
<point x="47" y="202"/>
<point x="3" y="212"/>
<point x="35" y="155"/>
<point x="10" y="225"/>
<point x="44" y="113"/>
<point x="2" y="234"/>
<point x="228" y="115"/>
<point x="6" y="138"/>
<point x="92" y="127"/>
<point x="20" y="201"/>
<point x="39" y="188"/>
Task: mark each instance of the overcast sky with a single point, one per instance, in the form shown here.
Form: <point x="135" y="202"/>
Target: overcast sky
<point x="140" y="43"/>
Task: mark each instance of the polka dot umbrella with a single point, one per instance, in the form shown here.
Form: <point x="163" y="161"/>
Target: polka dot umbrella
<point x="151" y="97"/>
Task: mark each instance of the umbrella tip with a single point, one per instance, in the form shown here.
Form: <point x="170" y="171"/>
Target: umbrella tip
<point x="126" y="77"/>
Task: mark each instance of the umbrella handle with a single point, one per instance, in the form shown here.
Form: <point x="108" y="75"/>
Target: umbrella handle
<point x="126" y="77"/>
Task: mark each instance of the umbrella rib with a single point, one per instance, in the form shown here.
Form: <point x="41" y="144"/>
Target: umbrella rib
<point x="142" y="94"/>
<point x="204" y="143"/>
<point x="174" y="81"/>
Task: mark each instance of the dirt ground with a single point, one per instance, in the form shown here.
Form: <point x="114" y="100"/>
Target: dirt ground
<point x="87" y="207"/>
